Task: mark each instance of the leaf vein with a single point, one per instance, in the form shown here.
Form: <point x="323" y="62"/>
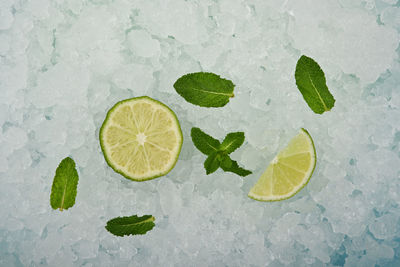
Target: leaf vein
<point x="63" y="197"/>
<point x="319" y="96"/>
<point x="212" y="92"/>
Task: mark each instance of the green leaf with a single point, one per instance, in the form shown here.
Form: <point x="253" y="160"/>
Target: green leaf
<point x="310" y="80"/>
<point x="204" y="89"/>
<point x="218" y="153"/>
<point x="232" y="141"/>
<point x="203" y="142"/>
<point x="212" y="163"/>
<point x="132" y="225"/>
<point x="63" y="190"/>
<point x="235" y="169"/>
<point x="226" y="162"/>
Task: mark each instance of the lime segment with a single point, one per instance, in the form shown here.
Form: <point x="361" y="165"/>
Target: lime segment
<point x="288" y="172"/>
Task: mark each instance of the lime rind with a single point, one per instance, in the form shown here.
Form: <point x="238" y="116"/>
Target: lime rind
<point x="114" y="167"/>
<point x="301" y="186"/>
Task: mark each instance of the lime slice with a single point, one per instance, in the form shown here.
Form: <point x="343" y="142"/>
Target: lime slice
<point x="141" y="138"/>
<point x="288" y="172"/>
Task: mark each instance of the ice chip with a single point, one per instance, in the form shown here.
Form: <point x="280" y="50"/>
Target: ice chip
<point x="141" y="43"/>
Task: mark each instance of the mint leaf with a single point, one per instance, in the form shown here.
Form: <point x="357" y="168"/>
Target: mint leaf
<point x="132" y="225"/>
<point x="310" y="80"/>
<point x="203" y="142"/>
<point x="212" y="163"/>
<point x="204" y="89"/>
<point x="234" y="167"/>
<point x="232" y="141"/>
<point x="65" y="182"/>
<point x="226" y="162"/>
<point x="218" y="153"/>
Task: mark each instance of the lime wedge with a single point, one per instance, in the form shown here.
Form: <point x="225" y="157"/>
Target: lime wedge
<point x="141" y="138"/>
<point x="288" y="172"/>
